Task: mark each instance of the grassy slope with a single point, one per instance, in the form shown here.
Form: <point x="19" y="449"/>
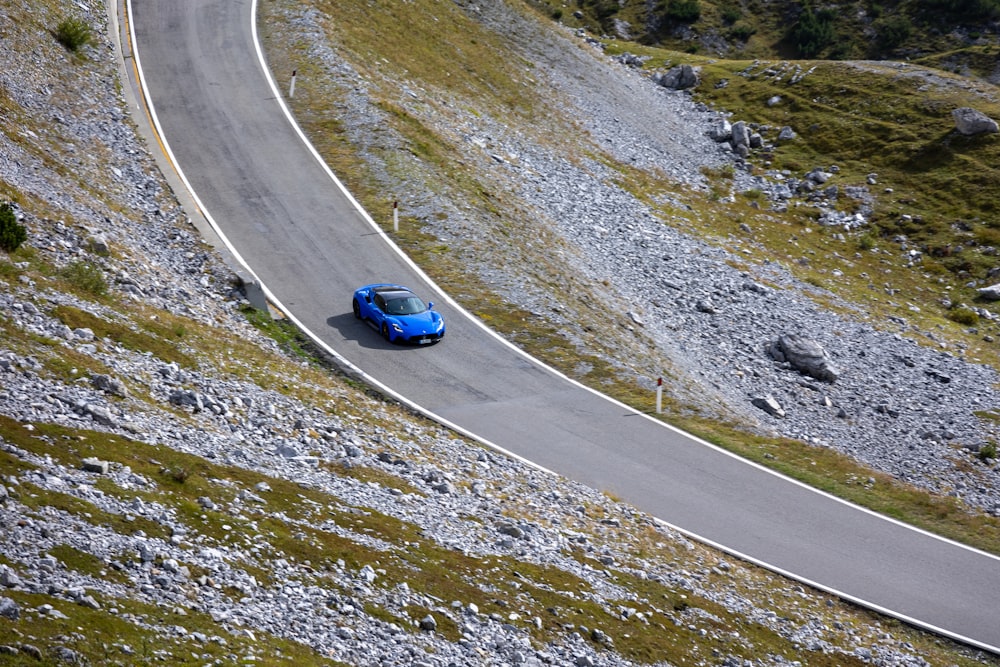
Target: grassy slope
<point x="688" y="628"/>
<point x="861" y="117"/>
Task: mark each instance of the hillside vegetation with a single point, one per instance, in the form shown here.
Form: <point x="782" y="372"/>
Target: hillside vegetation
<point x="960" y="36"/>
<point x="185" y="482"/>
<point x="886" y="127"/>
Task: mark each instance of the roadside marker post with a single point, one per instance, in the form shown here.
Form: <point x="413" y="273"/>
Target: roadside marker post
<point x="291" y="88"/>
<point x="659" y="395"/>
<point x="395" y="216"/>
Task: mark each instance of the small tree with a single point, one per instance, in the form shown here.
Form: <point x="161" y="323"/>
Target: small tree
<point x="12" y="233"/>
<point x="813" y="32"/>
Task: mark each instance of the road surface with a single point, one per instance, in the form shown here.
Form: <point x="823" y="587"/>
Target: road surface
<point x="283" y="213"/>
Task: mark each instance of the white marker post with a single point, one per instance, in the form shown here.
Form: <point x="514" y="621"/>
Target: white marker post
<point x="659" y="395"/>
<point x="395" y="216"/>
<point x="291" y="88"/>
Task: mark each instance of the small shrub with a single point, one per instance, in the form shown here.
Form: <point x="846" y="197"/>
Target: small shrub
<point x="867" y="241"/>
<point x="605" y="9"/>
<point x="988" y="451"/>
<point x="726" y="171"/>
<point x="98" y="249"/>
<point x="87" y="277"/>
<point x="74" y="34"/>
<point x="742" y="31"/>
<point x="731" y="14"/>
<point x="717" y="192"/>
<point x="8" y="270"/>
<point x="12" y="233"/>
<point x="683" y="11"/>
<point x="892" y="32"/>
<point x="964" y="315"/>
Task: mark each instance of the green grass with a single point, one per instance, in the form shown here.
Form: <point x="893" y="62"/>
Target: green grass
<point x="546" y="601"/>
<point x="863" y="119"/>
<point x="164" y="345"/>
<point x="137" y="634"/>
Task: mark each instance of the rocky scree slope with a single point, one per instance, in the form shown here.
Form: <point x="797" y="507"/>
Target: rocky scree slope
<point x="267" y="440"/>
<point x="901" y="400"/>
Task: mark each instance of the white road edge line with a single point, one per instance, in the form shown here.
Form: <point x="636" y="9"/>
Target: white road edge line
<point x="459" y="429"/>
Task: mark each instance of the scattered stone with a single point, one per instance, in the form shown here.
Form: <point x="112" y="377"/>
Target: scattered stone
<point x="769" y="405"/>
<point x="969" y="121"/>
<point x="805" y="356"/>
<point x="991" y="293"/>
<point x="165" y="266"/>
<point x="681" y="77"/>
<point x="9" y="609"/>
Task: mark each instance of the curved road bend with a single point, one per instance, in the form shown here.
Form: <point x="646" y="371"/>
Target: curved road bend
<point x="310" y="246"/>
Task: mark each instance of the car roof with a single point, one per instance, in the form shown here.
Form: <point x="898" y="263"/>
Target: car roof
<point x="387" y="290"/>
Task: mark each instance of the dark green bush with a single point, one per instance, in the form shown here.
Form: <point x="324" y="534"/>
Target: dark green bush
<point x="964" y="315"/>
<point x="741" y="31"/>
<point x="683" y="11"/>
<point x="603" y="9"/>
<point x="731" y="14"/>
<point x="74" y="34"/>
<point x="867" y="241"/>
<point x="892" y="32"/>
<point x="988" y="451"/>
<point x="12" y="233"/>
<point x="813" y="32"/>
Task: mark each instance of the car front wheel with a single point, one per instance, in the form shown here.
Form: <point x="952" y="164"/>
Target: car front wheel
<point x="385" y="332"/>
<point x="357" y="308"/>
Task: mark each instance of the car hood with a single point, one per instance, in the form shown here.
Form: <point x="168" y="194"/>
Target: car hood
<point x="425" y="322"/>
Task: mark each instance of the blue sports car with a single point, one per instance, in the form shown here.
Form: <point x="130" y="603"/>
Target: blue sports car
<point x="398" y="314"/>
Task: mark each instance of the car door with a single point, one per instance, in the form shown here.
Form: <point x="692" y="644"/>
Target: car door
<point x="378" y="309"/>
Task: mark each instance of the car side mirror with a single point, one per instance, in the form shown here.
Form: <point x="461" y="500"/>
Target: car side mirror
<point x="430" y="304"/>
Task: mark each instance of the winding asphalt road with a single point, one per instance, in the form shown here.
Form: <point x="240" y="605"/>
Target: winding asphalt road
<point x="284" y="215"/>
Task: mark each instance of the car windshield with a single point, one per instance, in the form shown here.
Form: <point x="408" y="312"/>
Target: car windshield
<point x="404" y="305"/>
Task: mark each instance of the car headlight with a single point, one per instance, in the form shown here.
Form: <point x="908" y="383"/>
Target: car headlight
<point x="397" y="328"/>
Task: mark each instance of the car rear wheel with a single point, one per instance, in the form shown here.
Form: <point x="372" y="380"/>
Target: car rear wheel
<point x="357" y="308"/>
<point x="385" y="332"/>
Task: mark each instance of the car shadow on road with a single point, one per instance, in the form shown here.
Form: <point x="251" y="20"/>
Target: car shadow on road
<point x="361" y="331"/>
<point x="364" y="333"/>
